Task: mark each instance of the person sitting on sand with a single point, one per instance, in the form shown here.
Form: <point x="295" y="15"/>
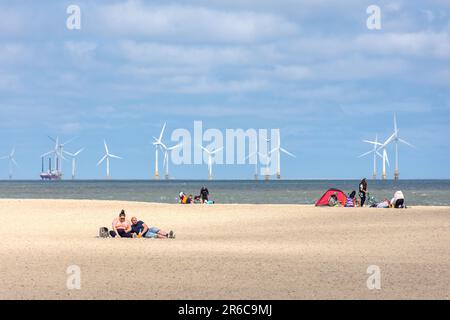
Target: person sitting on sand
<point x="121" y="227"/>
<point x="350" y="201"/>
<point x="333" y="201"/>
<point x="398" y="201"/>
<point x="204" y="194"/>
<point x="142" y="230"/>
<point x="183" y="198"/>
<point x="384" y="204"/>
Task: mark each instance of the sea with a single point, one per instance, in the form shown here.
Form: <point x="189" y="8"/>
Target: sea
<point x="417" y="192"/>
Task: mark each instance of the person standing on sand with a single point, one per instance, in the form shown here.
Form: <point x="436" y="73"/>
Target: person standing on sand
<point x="363" y="191"/>
<point x="204" y="194"/>
<point x="142" y="230"/>
<point x="121" y="227"/>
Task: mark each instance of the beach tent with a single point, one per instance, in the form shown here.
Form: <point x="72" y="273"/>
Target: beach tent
<point x="323" y="201"/>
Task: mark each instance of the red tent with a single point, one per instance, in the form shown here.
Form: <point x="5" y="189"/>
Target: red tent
<point x="323" y="201"/>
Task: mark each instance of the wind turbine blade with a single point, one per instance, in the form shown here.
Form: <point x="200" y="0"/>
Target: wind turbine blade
<point x="389" y="140"/>
<point x="114" y="156"/>
<point x="15" y="163"/>
<point x="5" y="157"/>
<point x="387" y="158"/>
<point x="287" y="152"/>
<point x="162" y="132"/>
<point x="106" y="146"/>
<point x="379" y="154"/>
<point x="13" y="151"/>
<point x="365" y="154"/>
<point x="372" y="142"/>
<point x="204" y="149"/>
<point x="217" y="150"/>
<point x="162" y="145"/>
<point x="68" y="141"/>
<point x="273" y="150"/>
<point x="51" y="138"/>
<point x="407" y="143"/>
<point x="176" y="146"/>
<point x="48" y="153"/>
<point x="102" y="159"/>
<point x="78" y="152"/>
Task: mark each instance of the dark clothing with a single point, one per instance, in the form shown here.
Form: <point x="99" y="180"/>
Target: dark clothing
<point x="204" y="193"/>
<point x="362" y="194"/>
<point x="399" y="203"/>
<point x="138" y="227"/>
<point x="122" y="234"/>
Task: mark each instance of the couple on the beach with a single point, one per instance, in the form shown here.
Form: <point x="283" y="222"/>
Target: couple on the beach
<point x="122" y="228"/>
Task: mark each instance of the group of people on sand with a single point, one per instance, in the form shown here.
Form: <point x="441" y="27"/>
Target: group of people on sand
<point x="122" y="228"/>
<point x="202" y="198"/>
<point x="398" y="200"/>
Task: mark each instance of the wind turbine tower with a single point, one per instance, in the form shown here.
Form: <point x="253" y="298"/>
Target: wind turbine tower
<point x="278" y="149"/>
<point x="158" y="145"/>
<point x="395" y="139"/>
<point x="210" y="162"/>
<point x="74" y="159"/>
<point x="11" y="162"/>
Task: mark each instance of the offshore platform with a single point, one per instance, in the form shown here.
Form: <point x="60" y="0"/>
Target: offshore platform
<point x="51" y="173"/>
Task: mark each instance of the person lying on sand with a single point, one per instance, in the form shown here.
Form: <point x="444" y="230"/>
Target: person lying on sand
<point x="121" y="227"/>
<point x="139" y="228"/>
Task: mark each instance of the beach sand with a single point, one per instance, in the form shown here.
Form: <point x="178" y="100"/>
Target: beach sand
<point x="224" y="251"/>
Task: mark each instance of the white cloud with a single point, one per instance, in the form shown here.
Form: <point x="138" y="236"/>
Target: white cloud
<point x="13" y="52"/>
<point x="80" y="49"/>
<point x="421" y="44"/>
<point x="192" y="23"/>
<point x="155" y="53"/>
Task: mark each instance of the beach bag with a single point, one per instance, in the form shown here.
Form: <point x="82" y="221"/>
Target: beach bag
<point x="349" y="203"/>
<point x="103" y="232"/>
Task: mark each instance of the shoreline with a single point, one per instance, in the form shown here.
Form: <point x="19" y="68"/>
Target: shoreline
<point x="223" y="251"/>
<point x="215" y="204"/>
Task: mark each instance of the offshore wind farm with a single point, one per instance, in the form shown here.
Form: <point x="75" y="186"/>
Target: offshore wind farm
<point x="266" y="161"/>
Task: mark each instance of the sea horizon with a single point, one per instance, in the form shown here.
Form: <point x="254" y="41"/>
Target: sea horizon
<point x="285" y="191"/>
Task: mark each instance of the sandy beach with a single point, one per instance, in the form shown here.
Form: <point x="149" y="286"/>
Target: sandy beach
<point x="224" y="251"/>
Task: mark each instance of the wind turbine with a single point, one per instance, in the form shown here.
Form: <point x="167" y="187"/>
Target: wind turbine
<point x="267" y="175"/>
<point x="256" y="163"/>
<point x="210" y="153"/>
<point x="158" y="144"/>
<point x="166" y="157"/>
<point x="375" y="152"/>
<point x="74" y="156"/>
<point x="395" y="139"/>
<point x="12" y="162"/>
<point x="266" y="161"/>
<point x="277" y="149"/>
<point x="107" y="156"/>
<point x="58" y="152"/>
<point x="385" y="160"/>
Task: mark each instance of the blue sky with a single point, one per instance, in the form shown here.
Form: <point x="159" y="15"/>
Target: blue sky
<point x="310" y="68"/>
